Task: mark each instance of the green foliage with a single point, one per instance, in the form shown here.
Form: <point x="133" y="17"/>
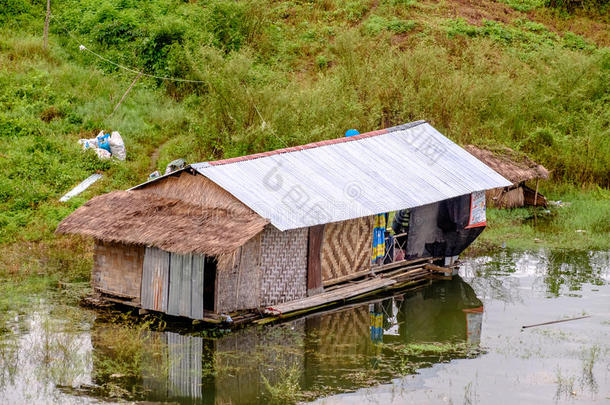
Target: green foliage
<point x="15" y="12"/>
<point x="526" y="34"/>
<point x="524" y="5"/>
<point x="228" y="23"/>
<point x="573" y="41"/>
<point x="353" y="10"/>
<point x="580" y="223"/>
<point x="275" y="74"/>
<point x="594" y="6"/>
<point x="127" y="350"/>
<point x="375" y="24"/>
<point x="407" y="3"/>
<point x="287" y="388"/>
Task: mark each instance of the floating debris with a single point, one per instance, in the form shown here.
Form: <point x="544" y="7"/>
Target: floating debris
<point x="558" y="321"/>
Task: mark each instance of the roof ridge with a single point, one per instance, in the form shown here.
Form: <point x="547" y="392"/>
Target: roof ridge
<point x="311" y="145"/>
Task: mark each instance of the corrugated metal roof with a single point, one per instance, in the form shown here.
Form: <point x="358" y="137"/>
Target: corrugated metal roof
<point x="401" y="167"/>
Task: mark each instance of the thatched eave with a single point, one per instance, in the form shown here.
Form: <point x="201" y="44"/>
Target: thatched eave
<point x="509" y="164"/>
<point x="142" y="218"/>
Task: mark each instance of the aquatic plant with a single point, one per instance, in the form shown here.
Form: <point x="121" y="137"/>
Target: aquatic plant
<point x="128" y="350"/>
<point x="287" y="388"/>
<point x="565" y="385"/>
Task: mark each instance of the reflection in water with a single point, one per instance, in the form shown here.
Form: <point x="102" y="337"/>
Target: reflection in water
<point x="32" y="364"/>
<point x="340" y="350"/>
<point x="555" y="272"/>
<point x="329" y="352"/>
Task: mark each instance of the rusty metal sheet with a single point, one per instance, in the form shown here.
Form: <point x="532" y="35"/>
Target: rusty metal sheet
<point x="186" y="285"/>
<point x="177" y="283"/>
<point x="155" y="279"/>
<point x="197" y="268"/>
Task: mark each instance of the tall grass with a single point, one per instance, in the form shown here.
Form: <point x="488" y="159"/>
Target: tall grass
<point x="274" y="74"/>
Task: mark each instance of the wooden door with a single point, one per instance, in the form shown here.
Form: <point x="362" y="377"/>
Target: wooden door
<point x="186" y="285"/>
<point x="314" y="265"/>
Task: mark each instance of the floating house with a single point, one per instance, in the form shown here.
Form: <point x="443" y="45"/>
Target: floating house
<point x="290" y="230"/>
<point x="519" y="170"/>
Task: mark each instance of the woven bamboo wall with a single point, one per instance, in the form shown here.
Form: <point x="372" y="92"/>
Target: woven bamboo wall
<point x="352" y="326"/>
<point x="339" y="327"/>
<point x="283" y="265"/>
<point x="346" y="247"/>
<point x="117" y="268"/>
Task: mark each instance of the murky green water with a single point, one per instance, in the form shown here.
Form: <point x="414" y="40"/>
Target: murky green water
<point x="455" y="342"/>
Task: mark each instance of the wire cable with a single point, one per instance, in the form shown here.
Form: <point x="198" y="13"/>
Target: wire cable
<point x="140" y="72"/>
<point x="82" y="47"/>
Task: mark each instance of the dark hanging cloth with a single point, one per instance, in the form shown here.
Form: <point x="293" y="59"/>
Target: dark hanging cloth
<point x="440" y="229"/>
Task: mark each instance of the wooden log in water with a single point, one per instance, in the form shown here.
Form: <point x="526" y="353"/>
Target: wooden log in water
<point x="557" y="321"/>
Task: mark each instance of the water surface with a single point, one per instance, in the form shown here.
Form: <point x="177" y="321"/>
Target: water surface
<point x="457" y="341"/>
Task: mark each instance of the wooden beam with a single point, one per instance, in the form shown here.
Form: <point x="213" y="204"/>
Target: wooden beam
<point x="125" y="94"/>
<point x="116" y="294"/>
<point x="314" y="262"/>
<point x="329" y="297"/>
<point x="348" y="277"/>
<point x="437" y="269"/>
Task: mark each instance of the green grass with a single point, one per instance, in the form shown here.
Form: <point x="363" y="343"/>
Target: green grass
<point x="582" y="223"/>
<point x="524" y="5"/>
<point x="282" y="73"/>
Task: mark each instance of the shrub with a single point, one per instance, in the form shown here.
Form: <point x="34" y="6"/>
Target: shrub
<point x="573" y="41"/>
<point x="524" y="5"/>
<point x="596" y="6"/>
<point x="228" y="22"/>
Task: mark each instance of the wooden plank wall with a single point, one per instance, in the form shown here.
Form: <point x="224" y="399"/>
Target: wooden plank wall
<point x="314" y="257"/>
<point x="346" y="247"/>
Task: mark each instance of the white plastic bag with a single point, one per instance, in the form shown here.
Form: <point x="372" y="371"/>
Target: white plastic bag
<point x="102" y="153"/>
<point x="117" y="146"/>
<point x="88" y="143"/>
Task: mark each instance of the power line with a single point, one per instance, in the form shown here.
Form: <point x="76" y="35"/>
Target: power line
<point x="82" y="47"/>
<point x="129" y="69"/>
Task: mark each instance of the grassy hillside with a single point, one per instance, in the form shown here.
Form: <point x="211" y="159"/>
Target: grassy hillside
<point x="533" y="75"/>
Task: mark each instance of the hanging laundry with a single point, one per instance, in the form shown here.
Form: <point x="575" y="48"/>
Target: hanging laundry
<point x="379" y="237"/>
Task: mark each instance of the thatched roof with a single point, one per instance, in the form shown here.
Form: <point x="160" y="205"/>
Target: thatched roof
<point x="142" y="218"/>
<point x="509" y="164"/>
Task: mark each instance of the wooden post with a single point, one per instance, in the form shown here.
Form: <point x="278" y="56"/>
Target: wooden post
<point x="45" y="39"/>
<point x="536" y="194"/>
<point x="125" y="95"/>
<point x="314" y="265"/>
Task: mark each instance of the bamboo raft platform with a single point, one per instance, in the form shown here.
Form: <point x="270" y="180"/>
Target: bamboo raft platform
<point x="389" y="277"/>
